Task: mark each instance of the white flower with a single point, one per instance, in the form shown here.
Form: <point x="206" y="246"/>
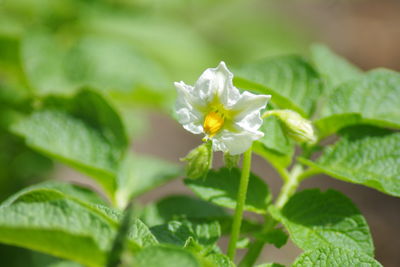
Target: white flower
<point x="216" y="108"/>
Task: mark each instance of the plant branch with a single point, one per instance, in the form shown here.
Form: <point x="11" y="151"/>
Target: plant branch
<point x="290" y="186"/>
<point x="287" y="191"/>
<point x="241" y="199"/>
<point x="255" y="249"/>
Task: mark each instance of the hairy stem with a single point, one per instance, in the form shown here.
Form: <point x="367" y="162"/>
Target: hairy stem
<point x="255" y="249"/>
<point x="287" y="191"/>
<point x="241" y="198"/>
<point x="290" y="186"/>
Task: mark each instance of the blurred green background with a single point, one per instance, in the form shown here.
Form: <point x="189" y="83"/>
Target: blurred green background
<point x="133" y="51"/>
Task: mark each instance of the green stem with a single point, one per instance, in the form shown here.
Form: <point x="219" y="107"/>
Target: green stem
<point x="241" y="199"/>
<point x="255" y="249"/>
<point x="290" y="186"/>
<point x="252" y="254"/>
<point x="287" y="191"/>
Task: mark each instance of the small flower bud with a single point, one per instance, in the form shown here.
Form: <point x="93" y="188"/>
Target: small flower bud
<point x="296" y="127"/>
<point x="231" y="161"/>
<point x="199" y="161"/>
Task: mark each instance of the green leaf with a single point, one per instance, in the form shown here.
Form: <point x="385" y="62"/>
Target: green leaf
<point x="98" y="60"/>
<point x="9" y="50"/>
<point x="221" y="187"/>
<point x="19" y="165"/>
<point x="139" y="174"/>
<point x="48" y="221"/>
<point x="20" y="257"/>
<point x="166" y="256"/>
<point x="276" y="237"/>
<point x="275" y="147"/>
<point x="61" y="228"/>
<point x="332" y="67"/>
<point x="129" y="229"/>
<point x="178" y="232"/>
<point x="41" y="60"/>
<point x="292" y="82"/>
<point x="186" y="207"/>
<point x="54" y="190"/>
<point x="270" y="265"/>
<point x="54" y="66"/>
<point x="279" y="161"/>
<point x="335" y="257"/>
<point x="83" y="132"/>
<point x="162" y="37"/>
<point x="372" y="99"/>
<point x="275" y="137"/>
<point x="220" y="260"/>
<point x="316" y="219"/>
<point x="140" y="234"/>
<point x="181" y="206"/>
<point x="64" y="264"/>
<point x="364" y="155"/>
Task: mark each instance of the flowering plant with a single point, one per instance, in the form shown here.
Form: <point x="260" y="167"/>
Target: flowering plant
<point x="70" y="224"/>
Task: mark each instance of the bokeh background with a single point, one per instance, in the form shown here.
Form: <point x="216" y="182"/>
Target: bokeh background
<point x="133" y="50"/>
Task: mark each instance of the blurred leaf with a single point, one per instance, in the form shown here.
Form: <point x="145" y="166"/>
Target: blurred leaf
<point x="19" y="165"/>
<point x="195" y="210"/>
<point x="276" y="237"/>
<point x="98" y="61"/>
<point x="335" y="257"/>
<point x="129" y="229"/>
<point x="373" y="99"/>
<point x="221" y="187"/>
<point x="364" y="155"/>
<point x="139" y="174"/>
<point x="274" y="136"/>
<point x="42" y="61"/>
<point x="181" y="206"/>
<point x="279" y="161"/>
<point x="166" y="256"/>
<point x="54" y="190"/>
<point x="45" y="220"/>
<point x="13" y="88"/>
<point x="9" y="50"/>
<point x="292" y="82"/>
<point x="316" y="219"/>
<point x="275" y="147"/>
<point x="170" y="42"/>
<point x="178" y="232"/>
<point x="332" y="67"/>
<point x="60" y="64"/>
<point x="61" y="227"/>
<point x="83" y="131"/>
<point x="20" y="257"/>
<point x="270" y="265"/>
<point x="220" y="260"/>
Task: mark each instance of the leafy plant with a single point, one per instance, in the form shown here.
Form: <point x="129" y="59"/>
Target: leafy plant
<point x="68" y="105"/>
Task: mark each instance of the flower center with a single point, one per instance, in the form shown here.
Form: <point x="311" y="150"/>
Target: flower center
<point x="213" y="123"/>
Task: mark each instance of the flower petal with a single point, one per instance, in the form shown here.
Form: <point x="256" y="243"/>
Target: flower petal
<point x="235" y="143"/>
<point x="187" y="114"/>
<point x="217" y="82"/>
<point x="248" y="109"/>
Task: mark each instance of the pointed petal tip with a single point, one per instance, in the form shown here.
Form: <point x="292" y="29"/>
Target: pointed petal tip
<point x="179" y="83"/>
<point x="222" y="66"/>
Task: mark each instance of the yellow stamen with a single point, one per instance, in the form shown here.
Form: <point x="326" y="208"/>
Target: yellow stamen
<point x="213" y="123"/>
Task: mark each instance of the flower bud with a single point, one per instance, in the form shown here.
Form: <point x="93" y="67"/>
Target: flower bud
<point x="199" y="161"/>
<point x="296" y="127"/>
<point x="231" y="161"/>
